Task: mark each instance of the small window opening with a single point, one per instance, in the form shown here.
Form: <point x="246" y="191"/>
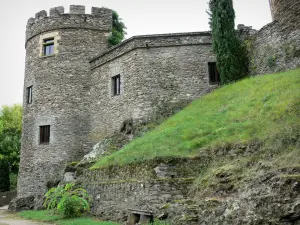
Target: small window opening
<point x="116" y="85"/>
<point x="45" y="134"/>
<point x="214" y="76"/>
<point x="48" y="47"/>
<point x="29" y="95"/>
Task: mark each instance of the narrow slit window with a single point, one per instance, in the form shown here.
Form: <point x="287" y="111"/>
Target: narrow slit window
<point x="45" y="134"/>
<point x="48" y="47"/>
<point x="214" y="76"/>
<point x="29" y="95"/>
<point x="116" y="85"/>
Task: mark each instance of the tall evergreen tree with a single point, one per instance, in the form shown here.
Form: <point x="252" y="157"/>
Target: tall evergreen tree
<point x="231" y="58"/>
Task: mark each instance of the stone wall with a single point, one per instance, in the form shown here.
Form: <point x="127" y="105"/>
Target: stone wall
<point x="157" y="72"/>
<point x="286" y="12"/>
<point x="146" y="186"/>
<point x="6" y="197"/>
<point x="60" y="85"/>
<point x="273" y="49"/>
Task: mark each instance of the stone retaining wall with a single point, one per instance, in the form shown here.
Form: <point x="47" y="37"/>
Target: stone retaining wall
<point x="6" y="197"/>
<point x="273" y="49"/>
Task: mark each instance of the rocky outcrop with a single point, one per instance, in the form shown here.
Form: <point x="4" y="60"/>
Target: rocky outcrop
<point x="23" y="203"/>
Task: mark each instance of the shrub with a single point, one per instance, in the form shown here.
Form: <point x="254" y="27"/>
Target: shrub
<point x="13" y="177"/>
<point x="118" y="30"/>
<point x="68" y="201"/>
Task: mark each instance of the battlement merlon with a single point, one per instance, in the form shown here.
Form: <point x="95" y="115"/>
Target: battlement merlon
<point x="99" y="19"/>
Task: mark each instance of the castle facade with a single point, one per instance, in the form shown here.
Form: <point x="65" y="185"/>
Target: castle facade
<point x="77" y="91"/>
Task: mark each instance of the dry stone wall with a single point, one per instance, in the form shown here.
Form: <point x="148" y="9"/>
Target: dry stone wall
<point x="148" y="186"/>
<point x="273" y="49"/>
<point x="286" y="12"/>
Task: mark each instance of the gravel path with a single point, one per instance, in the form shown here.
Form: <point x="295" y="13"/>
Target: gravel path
<point x="9" y="218"/>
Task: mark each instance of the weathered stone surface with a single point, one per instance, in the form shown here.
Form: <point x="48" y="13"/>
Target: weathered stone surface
<point x="286" y="12"/>
<point x="72" y="92"/>
<point x="273" y="49"/>
<point x="99" y="150"/>
<point x="23" y="203"/>
<point x="77" y="9"/>
<point x="156" y="71"/>
<point x="57" y="11"/>
<point x="61" y="85"/>
<point x="69" y="177"/>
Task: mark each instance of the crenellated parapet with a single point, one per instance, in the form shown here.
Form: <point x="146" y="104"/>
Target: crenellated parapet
<point x="99" y="19"/>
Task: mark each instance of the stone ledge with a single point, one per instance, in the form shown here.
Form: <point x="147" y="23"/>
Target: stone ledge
<point x="151" y="41"/>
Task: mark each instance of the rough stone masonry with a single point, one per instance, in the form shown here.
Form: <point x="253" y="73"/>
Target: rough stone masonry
<point x="83" y="91"/>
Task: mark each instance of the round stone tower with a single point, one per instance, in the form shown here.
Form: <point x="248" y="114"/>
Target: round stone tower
<point x="56" y="92"/>
<point x="286" y="12"/>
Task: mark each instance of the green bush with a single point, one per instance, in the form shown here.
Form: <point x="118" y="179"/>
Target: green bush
<point x="13" y="177"/>
<point x="72" y="206"/>
<point x="68" y="201"/>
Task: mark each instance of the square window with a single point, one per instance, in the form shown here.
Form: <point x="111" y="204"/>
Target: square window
<point x="29" y="95"/>
<point x="116" y="85"/>
<point x="48" y="47"/>
<point x="45" y="134"/>
<point x="214" y="76"/>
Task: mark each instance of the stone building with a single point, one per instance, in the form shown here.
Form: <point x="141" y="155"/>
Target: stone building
<point x="77" y="91"/>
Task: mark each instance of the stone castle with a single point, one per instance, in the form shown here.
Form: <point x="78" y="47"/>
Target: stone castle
<point x="77" y="91"/>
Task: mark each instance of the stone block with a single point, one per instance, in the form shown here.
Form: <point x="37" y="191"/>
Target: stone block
<point x="77" y="9"/>
<point x="40" y="15"/>
<point x="56" y="11"/>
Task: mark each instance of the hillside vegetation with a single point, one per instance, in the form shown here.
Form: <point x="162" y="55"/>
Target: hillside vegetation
<point x="260" y="109"/>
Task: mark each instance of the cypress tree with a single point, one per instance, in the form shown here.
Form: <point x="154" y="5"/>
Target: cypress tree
<point x="231" y="58"/>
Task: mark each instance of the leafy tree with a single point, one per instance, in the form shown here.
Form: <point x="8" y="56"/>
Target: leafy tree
<point x="118" y="31"/>
<point x="10" y="139"/>
<point x="231" y="57"/>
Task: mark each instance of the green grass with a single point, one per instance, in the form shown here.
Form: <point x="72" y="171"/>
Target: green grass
<point x="46" y="216"/>
<point x="255" y="108"/>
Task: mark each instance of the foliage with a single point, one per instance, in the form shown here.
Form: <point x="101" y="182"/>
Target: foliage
<point x="47" y="216"/>
<point x="4" y="176"/>
<point x="231" y="55"/>
<point x="67" y="200"/>
<point x="10" y="135"/>
<point x="271" y="61"/>
<point x="118" y="31"/>
<point x="13" y="177"/>
<point x="253" y="108"/>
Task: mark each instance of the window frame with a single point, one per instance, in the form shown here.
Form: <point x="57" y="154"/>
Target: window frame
<point x="48" y="42"/>
<point x="116" y="85"/>
<point x="44" y="134"/>
<point x="29" y="94"/>
<point x="213" y="73"/>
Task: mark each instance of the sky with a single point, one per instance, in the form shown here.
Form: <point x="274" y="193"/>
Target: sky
<point x="140" y="16"/>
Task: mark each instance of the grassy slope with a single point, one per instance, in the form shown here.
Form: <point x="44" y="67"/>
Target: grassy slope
<point x="254" y="108"/>
<point x="45" y="216"/>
